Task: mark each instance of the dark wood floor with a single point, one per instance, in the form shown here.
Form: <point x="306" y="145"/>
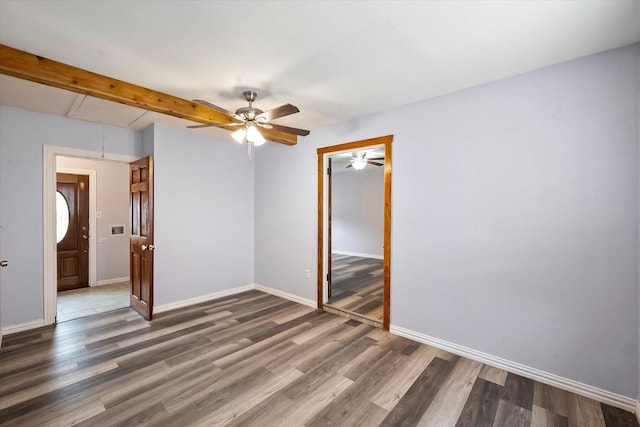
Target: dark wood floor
<point x="356" y="285"/>
<point x="255" y="359"/>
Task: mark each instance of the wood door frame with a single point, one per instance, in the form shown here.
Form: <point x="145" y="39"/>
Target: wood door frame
<point x="50" y="269"/>
<point x="323" y="152"/>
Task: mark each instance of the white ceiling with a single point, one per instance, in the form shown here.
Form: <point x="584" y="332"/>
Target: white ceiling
<point x="335" y="60"/>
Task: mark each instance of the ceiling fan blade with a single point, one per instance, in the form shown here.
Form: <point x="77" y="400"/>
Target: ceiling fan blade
<point x="375" y="163"/>
<point x="375" y="158"/>
<point x="219" y="109"/>
<point x="288" y="129"/>
<point x="217" y="125"/>
<point x="281" y="111"/>
<point x="348" y="166"/>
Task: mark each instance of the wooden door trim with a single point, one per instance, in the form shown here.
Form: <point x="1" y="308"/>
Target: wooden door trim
<point x="50" y="273"/>
<point x="329" y="213"/>
<point x="386" y="264"/>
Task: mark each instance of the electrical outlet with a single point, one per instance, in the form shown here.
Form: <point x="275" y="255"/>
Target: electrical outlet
<point x="307" y="274"/>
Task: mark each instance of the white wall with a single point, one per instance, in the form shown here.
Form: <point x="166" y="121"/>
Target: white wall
<point x="22" y="135"/>
<point x="112" y="201"/>
<point x="203" y="213"/>
<point x="514" y="217"/>
<point x="357" y="218"/>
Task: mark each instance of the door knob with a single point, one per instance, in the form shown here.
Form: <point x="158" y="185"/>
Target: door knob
<point x="143" y="247"/>
<point x="152" y="247"/>
<point x="4" y="263"/>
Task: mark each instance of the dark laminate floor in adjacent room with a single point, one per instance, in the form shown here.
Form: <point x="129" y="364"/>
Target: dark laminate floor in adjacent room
<point x="356" y="285"/>
<point x="255" y="359"/>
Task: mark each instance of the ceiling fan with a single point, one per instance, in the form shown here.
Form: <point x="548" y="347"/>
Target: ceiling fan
<point x="360" y="160"/>
<point x="251" y="119"/>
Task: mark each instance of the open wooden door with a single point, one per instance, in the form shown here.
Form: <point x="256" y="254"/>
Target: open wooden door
<point x="141" y="246"/>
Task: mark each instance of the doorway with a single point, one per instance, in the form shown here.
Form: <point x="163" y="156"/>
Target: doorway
<point x="102" y="237"/>
<point x="51" y="157"/>
<point x="355" y="282"/>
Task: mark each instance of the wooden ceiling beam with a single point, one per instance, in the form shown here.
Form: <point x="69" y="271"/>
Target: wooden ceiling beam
<point x="26" y="66"/>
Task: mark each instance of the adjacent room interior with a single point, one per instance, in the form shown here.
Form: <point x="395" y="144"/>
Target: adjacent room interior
<point x="354" y="214"/>
<point x="92" y="237"/>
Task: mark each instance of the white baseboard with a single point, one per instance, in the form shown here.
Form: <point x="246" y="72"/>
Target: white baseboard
<point x="111" y="281"/>
<point x="199" y="299"/>
<point x="358" y="254"/>
<point x="285" y="295"/>
<point x="576" y="387"/>
<point x="25" y="326"/>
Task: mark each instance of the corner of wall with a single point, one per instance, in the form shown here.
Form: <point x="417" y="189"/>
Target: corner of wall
<point x="147" y="140"/>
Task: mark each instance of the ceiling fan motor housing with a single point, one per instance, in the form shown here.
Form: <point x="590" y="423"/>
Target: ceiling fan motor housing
<point x="249" y="113"/>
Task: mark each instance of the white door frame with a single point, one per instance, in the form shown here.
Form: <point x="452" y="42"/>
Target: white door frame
<point x="50" y="268"/>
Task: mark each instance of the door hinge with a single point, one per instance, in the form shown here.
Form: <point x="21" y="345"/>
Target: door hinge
<point x="328" y="277"/>
<point x="328" y="171"/>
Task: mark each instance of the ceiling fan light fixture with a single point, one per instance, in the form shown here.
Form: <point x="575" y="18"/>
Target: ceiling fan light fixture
<point x="254" y="136"/>
<point x="239" y="135"/>
<point x="359" y="164"/>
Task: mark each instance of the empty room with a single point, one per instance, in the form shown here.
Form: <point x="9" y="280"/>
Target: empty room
<point x="320" y="213"/>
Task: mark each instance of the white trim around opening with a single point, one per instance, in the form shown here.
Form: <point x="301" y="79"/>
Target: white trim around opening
<point x="49" y="154"/>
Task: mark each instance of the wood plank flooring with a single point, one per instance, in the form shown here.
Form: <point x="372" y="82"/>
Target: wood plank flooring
<point x="253" y="359"/>
<point x="357" y="285"/>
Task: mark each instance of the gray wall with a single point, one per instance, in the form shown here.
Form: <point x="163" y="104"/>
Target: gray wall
<point x="357" y="218"/>
<point x="203" y="213"/>
<point x="22" y="135"/>
<point x="514" y="217"/>
<point x="112" y="200"/>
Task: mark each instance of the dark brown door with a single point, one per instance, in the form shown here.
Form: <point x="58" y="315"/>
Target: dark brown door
<point x="141" y="247"/>
<point x="73" y="243"/>
<point x="329" y="230"/>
